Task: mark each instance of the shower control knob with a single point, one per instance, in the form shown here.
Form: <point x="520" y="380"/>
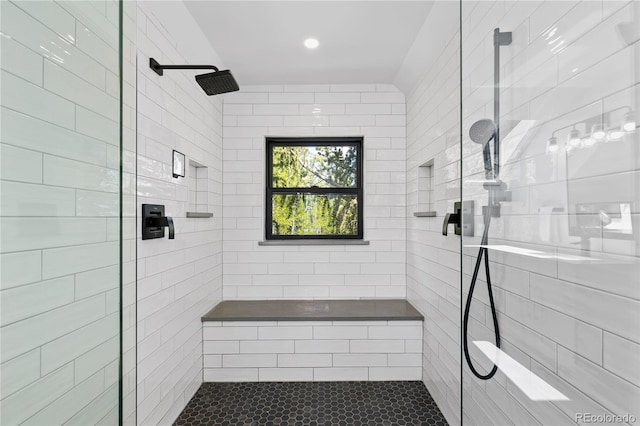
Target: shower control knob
<point x="462" y="218"/>
<point x="154" y="221"/>
<point x="451" y="218"/>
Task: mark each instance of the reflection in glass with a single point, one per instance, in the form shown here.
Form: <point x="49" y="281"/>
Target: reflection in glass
<point x="611" y="219"/>
<point x="563" y="251"/>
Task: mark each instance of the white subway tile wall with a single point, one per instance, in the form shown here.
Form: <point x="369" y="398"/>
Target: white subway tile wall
<point x="59" y="291"/>
<point x="565" y="319"/>
<point x="575" y="324"/>
<point x="178" y="280"/>
<point x="376" y="270"/>
<point x="433" y="271"/>
<point x="312" y="351"/>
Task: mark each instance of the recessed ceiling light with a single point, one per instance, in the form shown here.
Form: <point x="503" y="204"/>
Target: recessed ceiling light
<point x="311" y="43"/>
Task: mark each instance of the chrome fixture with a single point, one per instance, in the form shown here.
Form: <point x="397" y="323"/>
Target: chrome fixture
<point x="615" y="135"/>
<point x="481" y="132"/>
<point x="602" y="129"/>
<point x="597" y="132"/>
<point x="574" y="138"/>
<point x="629" y="122"/>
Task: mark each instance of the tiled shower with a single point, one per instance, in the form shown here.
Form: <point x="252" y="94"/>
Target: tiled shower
<point x="376" y="111"/>
<point x="101" y="327"/>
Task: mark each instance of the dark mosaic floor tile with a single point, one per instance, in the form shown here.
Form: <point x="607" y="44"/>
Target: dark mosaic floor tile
<point x="312" y="404"/>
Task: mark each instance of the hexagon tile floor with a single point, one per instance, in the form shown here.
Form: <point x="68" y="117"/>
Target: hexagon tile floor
<point x="312" y="403"/>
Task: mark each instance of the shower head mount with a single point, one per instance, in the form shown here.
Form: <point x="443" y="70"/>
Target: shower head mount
<point x="213" y="83"/>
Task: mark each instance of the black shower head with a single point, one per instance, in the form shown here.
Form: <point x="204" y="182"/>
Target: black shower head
<point x="215" y="83"/>
<point x="482" y="131"/>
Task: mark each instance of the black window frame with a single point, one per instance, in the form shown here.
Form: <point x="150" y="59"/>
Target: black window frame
<point x="358" y="190"/>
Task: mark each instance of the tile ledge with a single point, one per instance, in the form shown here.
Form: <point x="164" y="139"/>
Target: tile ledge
<point x="199" y="215"/>
<point x="424" y="214"/>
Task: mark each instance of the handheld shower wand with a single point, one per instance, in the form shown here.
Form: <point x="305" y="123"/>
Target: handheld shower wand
<point x="482" y="132"/>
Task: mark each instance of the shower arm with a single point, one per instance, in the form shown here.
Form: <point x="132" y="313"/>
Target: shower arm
<point x="155" y="66"/>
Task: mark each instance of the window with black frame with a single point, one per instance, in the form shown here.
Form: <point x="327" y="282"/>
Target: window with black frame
<point x="314" y="188"/>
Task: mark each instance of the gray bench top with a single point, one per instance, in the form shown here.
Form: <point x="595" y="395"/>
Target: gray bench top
<point x="314" y="310"/>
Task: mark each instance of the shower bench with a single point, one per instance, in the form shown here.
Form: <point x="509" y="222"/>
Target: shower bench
<point x="312" y="340"/>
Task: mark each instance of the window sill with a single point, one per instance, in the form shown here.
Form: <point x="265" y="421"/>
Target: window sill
<point x="336" y="242"/>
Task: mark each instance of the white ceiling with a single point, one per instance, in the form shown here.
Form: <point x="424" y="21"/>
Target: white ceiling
<point x="262" y="41"/>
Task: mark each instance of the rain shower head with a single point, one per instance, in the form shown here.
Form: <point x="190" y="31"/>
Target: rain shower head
<point x="213" y="83"/>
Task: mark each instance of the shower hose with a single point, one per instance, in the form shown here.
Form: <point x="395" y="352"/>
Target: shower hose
<point x="467" y="308"/>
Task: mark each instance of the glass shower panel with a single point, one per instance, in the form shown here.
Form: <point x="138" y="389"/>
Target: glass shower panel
<point x="60" y="243"/>
<point x="555" y="86"/>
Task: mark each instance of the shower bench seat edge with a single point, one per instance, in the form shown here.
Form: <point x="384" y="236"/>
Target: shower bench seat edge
<point x="312" y="340"/>
<point x="314" y="310"/>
